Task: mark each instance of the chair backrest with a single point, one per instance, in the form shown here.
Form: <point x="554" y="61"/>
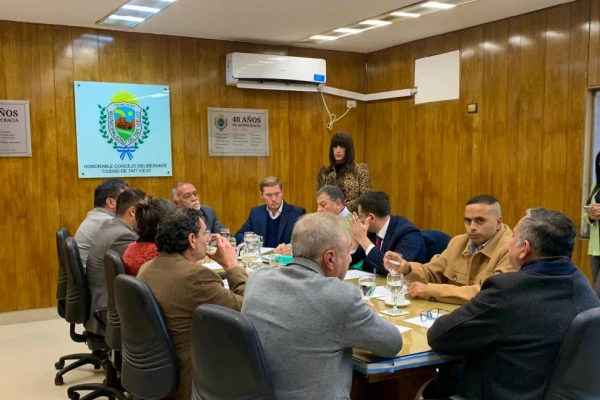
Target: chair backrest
<point x="78" y="296"/>
<point x="578" y="363"/>
<point x="113" y="266"/>
<point x="150" y="369"/>
<point x="227" y="356"/>
<point x="597" y="287"/>
<point x="435" y="242"/>
<point x="61" y="286"/>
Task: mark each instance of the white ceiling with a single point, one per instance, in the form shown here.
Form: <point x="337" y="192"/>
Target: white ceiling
<point x="277" y="21"/>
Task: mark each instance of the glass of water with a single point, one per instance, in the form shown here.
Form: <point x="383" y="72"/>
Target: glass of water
<point x="367" y="285"/>
<point x="211" y="244"/>
<point x="232" y="241"/>
<point x="226" y="233"/>
<point x="395" y="284"/>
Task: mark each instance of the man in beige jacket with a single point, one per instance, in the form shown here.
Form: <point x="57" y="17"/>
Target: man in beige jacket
<point x="456" y="275"/>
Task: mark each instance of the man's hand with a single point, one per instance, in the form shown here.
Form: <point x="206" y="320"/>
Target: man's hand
<point x="417" y="289"/>
<point x="594" y="213"/>
<point x="358" y="231"/>
<point x="395" y="262"/>
<point x="283" y="249"/>
<point x="225" y="255"/>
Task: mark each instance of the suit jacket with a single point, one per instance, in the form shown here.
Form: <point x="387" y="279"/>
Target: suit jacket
<point x="257" y="222"/>
<point x="210" y="218"/>
<point x="512" y="330"/>
<point x="456" y="275"/>
<point x="308" y="325"/>
<point x="114" y="235"/>
<point x="180" y="286"/>
<point x="401" y="237"/>
<point x="88" y="230"/>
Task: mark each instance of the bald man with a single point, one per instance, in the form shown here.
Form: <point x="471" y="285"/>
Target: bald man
<point x="456" y="275"/>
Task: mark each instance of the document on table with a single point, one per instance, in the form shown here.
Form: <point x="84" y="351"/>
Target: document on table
<point x="380" y="292"/>
<point x="212" y="265"/>
<point x="402" y="329"/>
<point x="417" y="321"/>
<point x="355" y="274"/>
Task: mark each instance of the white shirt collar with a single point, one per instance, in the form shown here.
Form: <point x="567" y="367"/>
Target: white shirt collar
<point x="344" y="212"/>
<point x="277" y="214"/>
<point x="384" y="229"/>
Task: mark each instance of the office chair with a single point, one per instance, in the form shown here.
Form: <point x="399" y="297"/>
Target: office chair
<point x="94" y="358"/>
<point x="149" y="367"/>
<point x="435" y="242"/>
<point x="227" y="357"/>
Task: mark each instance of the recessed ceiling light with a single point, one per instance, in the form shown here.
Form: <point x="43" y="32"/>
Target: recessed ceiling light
<point x="439" y="6"/>
<point x="348" y="30"/>
<point x="405" y="14"/>
<point x="375" y="22"/>
<point x="323" y="37"/>
<point x="141" y="8"/>
<point x="126" y="18"/>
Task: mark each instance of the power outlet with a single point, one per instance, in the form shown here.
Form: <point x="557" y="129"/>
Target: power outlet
<point x="351" y="103"/>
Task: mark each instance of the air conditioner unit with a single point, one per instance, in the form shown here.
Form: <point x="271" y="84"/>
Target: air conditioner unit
<point x="275" y="72"/>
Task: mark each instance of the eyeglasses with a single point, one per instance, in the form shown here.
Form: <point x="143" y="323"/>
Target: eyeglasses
<point x="432" y="314"/>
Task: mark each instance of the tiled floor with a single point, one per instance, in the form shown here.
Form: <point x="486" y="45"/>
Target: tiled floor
<point x="28" y="353"/>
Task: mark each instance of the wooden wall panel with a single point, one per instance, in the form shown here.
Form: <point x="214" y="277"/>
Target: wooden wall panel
<point x="40" y="62"/>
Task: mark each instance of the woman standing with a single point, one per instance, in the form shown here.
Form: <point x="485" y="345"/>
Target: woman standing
<point x="352" y="178"/>
<point x="592" y="215"/>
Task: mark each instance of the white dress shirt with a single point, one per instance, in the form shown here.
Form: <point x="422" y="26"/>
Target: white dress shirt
<point x="277" y="214"/>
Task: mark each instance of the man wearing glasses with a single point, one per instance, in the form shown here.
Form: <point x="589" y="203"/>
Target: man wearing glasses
<point x="510" y="333"/>
<point x="456" y="275"/>
<point x="185" y="195"/>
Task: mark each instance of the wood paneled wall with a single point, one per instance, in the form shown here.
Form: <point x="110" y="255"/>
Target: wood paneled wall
<point x="529" y="76"/>
<point x="42" y="193"/>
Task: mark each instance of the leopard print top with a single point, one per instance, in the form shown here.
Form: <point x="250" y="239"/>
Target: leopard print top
<point x="353" y="182"/>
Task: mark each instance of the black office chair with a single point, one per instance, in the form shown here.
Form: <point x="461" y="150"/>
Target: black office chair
<point x="77" y="312"/>
<point x="113" y="266"/>
<point x="227" y="357"/>
<point x="435" y="242"/>
<point x="94" y="358"/>
<point x="597" y="287"/>
<point x="578" y="364"/>
<point x="150" y="369"/>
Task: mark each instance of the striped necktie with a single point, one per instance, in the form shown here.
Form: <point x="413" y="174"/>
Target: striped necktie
<point x="378" y="242"/>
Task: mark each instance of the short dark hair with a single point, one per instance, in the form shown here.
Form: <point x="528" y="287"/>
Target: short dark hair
<point x="483" y="199"/>
<point x="270" y="181"/>
<point x="375" y="202"/>
<point x="344" y="140"/>
<point x="129" y="198"/>
<point x="334" y="193"/>
<point x="173" y="232"/>
<point x="549" y="233"/>
<point x="106" y="189"/>
<point x="148" y="216"/>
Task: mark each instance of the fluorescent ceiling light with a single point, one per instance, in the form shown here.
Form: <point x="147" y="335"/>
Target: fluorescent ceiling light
<point x="405" y="14"/>
<point x="348" y="30"/>
<point x="126" y="18"/>
<point x="375" y="22"/>
<point x="323" y="37"/>
<point x="141" y="8"/>
<point x="439" y="6"/>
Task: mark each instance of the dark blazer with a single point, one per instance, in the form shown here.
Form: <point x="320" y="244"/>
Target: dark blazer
<point x="401" y="237"/>
<point x="512" y="330"/>
<point x="257" y="222"/>
<point x="210" y="218"/>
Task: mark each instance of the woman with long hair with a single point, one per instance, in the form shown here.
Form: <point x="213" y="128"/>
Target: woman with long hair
<point x="352" y="178"/>
<point x="592" y="215"/>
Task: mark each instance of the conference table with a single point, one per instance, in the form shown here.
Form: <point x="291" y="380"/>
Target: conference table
<point x="404" y="376"/>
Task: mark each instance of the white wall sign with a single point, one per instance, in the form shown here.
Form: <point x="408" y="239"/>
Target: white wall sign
<point x="438" y="77"/>
<point x="15" y="130"/>
<point x="238" y="132"/>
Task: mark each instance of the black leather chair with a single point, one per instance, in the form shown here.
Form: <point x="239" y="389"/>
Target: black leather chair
<point x="77" y="312"/>
<point x="94" y="358"/>
<point x="435" y="242"/>
<point x="150" y="369"/>
<point x="227" y="357"/>
<point x="113" y="266"/>
<point x="577" y="372"/>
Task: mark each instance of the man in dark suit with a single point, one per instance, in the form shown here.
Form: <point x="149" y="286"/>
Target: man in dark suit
<point x="377" y="231"/>
<point x="115" y="234"/>
<point x="510" y="333"/>
<point x="185" y="195"/>
<point x="274" y="222"/>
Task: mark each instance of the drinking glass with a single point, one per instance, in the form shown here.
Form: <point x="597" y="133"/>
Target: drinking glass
<point x="367" y="285"/>
<point x="226" y="233"/>
<point x="211" y="244"/>
<point x="250" y="253"/>
<point x="260" y="240"/>
<point x="275" y="260"/>
<point x="395" y="284"/>
<point x="232" y="241"/>
<point x="395" y="265"/>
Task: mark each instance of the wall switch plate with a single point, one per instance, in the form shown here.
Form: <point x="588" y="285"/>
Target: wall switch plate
<point x="472" y="108"/>
<point x="351" y="103"/>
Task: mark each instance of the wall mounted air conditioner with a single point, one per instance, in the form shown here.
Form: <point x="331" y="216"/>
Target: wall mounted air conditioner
<point x="275" y="72"/>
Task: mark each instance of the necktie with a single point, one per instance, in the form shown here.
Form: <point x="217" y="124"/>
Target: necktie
<point x="378" y="242"/>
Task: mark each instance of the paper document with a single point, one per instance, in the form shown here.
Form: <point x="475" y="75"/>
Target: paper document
<point x="355" y="274"/>
<point x="402" y="329"/>
<point x="212" y="265"/>
<point x="417" y="321"/>
<point x="380" y="292"/>
<point x="264" y="250"/>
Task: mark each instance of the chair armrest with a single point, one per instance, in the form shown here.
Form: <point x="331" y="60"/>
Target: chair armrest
<point x="100" y="315"/>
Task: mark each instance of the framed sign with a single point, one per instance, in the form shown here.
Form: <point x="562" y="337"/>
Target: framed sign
<point x="238" y="132"/>
<point x="15" y="129"/>
<point x="123" y="130"/>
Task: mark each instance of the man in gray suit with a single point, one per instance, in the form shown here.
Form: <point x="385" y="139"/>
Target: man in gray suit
<point x="185" y="195"/>
<point x="309" y="320"/>
<point x="116" y="234"/>
<point x="105" y="204"/>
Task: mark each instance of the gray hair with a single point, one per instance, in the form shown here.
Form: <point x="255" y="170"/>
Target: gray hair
<point x="334" y="193"/>
<point x="177" y="186"/>
<point x="549" y="233"/>
<point x="316" y="233"/>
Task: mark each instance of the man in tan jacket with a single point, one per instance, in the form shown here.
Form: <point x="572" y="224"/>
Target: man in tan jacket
<point x="180" y="285"/>
<point x="456" y="275"/>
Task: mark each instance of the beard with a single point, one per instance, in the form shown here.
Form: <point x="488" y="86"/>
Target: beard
<point x="196" y="206"/>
